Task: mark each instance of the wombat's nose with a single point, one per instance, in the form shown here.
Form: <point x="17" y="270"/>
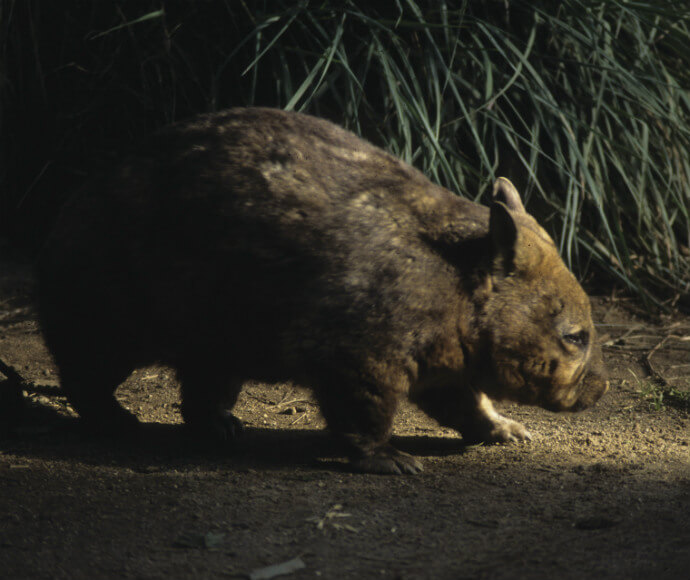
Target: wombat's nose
<point x="591" y="396"/>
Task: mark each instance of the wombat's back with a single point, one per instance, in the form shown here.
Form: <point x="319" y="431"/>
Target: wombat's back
<point x="253" y="231"/>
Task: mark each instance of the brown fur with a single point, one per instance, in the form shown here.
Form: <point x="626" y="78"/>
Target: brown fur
<point x="259" y="244"/>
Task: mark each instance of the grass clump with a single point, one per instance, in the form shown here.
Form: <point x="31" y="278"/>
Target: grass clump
<point x="660" y="396"/>
<point x="583" y="104"/>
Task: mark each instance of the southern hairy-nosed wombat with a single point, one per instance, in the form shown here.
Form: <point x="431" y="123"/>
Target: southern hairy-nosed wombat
<point x="260" y="244"/>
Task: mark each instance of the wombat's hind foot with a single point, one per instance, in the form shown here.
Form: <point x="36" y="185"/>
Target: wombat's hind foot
<point x="107" y="418"/>
<point x="387" y="460"/>
<point x="89" y="390"/>
<point x="115" y="421"/>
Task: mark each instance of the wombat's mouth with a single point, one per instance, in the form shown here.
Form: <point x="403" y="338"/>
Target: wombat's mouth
<point x="594" y="388"/>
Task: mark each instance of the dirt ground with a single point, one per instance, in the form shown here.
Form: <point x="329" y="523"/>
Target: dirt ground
<point x="601" y="494"/>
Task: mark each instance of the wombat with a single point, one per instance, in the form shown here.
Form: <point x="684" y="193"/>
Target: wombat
<point x="268" y="245"/>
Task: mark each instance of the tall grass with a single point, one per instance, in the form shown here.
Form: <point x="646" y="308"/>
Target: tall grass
<point x="583" y="104"/>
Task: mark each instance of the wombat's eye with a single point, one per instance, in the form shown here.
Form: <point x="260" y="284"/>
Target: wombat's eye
<point x="579" y="339"/>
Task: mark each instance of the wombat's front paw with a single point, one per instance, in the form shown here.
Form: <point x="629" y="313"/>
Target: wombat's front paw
<point x="388" y="460"/>
<point x="497" y="429"/>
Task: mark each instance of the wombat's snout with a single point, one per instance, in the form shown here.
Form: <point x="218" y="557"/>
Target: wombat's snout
<point x="592" y="387"/>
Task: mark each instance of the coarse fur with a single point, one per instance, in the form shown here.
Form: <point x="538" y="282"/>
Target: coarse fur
<point x="266" y="245"/>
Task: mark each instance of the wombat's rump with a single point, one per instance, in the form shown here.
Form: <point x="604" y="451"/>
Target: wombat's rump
<point x="260" y="244"/>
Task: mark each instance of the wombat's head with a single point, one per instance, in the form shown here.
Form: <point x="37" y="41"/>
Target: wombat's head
<point x="537" y="318"/>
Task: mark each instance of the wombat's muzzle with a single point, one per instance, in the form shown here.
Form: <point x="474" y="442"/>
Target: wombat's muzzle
<point x="592" y="388"/>
<point x="589" y="390"/>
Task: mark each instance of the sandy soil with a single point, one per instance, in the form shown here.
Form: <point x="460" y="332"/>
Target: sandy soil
<point x="601" y="494"/>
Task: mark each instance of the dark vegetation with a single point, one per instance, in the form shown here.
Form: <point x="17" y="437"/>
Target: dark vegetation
<point x="583" y="104"/>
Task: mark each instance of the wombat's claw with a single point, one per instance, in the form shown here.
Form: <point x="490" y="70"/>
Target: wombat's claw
<point x="388" y="460"/>
<point x="507" y="431"/>
<point x="498" y="430"/>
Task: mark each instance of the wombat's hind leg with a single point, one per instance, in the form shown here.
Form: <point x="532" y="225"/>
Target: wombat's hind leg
<point x="362" y="415"/>
<point x="207" y="398"/>
<point x="90" y="390"/>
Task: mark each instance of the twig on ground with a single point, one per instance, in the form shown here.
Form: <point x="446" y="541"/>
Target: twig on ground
<point x="648" y="358"/>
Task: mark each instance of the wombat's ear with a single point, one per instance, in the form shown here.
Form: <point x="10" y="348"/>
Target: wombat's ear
<point x="505" y="192"/>
<point x="503" y="232"/>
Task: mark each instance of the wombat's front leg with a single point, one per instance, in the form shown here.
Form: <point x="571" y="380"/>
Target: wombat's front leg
<point x="361" y="413"/>
<point x="89" y="377"/>
<point x="471" y="413"/>
<point x="486" y="425"/>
